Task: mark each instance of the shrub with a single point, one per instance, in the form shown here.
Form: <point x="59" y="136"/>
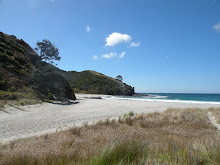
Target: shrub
<point x="131" y="114"/>
<point x="3" y="85"/>
<point x="8" y="95"/>
<point x="2" y="45"/>
<point x="1" y="49"/>
<point x="9" y="52"/>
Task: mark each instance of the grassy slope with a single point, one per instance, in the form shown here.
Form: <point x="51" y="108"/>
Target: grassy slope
<point x="17" y="61"/>
<point x="22" y="81"/>
<point x="172" y="137"/>
<point x="93" y="82"/>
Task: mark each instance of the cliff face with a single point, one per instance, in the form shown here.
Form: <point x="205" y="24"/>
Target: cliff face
<point x="21" y="67"/>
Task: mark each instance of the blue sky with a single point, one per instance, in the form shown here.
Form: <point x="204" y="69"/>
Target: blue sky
<point x="156" y="45"/>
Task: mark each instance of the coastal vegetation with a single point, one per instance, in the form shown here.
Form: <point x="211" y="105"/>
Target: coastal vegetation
<point x="97" y="83"/>
<point x="23" y="72"/>
<point x="216" y="113"/>
<point x="119" y="78"/>
<point x="21" y="77"/>
<point x="48" y="51"/>
<point x="176" y="136"/>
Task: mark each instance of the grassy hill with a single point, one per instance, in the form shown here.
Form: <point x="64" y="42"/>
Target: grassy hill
<point x="22" y="72"/>
<point x="91" y="81"/>
<point x="17" y="61"/>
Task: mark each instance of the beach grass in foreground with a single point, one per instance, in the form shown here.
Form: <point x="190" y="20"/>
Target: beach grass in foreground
<point x="176" y="136"/>
<point x="216" y="113"/>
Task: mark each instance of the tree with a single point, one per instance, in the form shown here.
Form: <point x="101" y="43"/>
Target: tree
<point x="48" y="51"/>
<point x="119" y="77"/>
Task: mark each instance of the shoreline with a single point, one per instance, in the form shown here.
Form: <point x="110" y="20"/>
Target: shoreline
<point x="165" y="100"/>
<point x="158" y="98"/>
<point x="36" y="120"/>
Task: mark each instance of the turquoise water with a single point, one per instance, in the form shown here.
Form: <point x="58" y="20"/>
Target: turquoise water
<point x="184" y="96"/>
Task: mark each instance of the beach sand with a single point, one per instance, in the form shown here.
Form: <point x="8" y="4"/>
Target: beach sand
<point x="46" y="118"/>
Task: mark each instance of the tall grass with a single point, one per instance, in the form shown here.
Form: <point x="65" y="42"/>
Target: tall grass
<point x="122" y="152"/>
<point x="173" y="137"/>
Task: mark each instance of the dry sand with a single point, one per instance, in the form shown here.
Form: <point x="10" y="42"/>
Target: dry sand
<point x="49" y="117"/>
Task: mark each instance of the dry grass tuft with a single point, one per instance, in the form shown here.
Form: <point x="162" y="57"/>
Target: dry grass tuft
<point x="173" y="137"/>
<point x="2" y="106"/>
<point x="216" y="113"/>
<point x="17" y="104"/>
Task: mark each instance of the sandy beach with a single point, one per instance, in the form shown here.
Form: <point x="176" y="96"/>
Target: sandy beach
<point x="50" y="117"/>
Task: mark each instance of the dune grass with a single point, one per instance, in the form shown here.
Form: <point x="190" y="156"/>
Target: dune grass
<point x="17" y="104"/>
<point x="17" y="99"/>
<point x="216" y="113"/>
<point x="176" y="136"/>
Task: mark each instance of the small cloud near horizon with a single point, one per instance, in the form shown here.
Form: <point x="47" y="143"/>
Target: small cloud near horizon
<point x="133" y="44"/>
<point x="216" y="27"/>
<point x="109" y="55"/>
<point x="88" y="29"/>
<point x="122" y="54"/>
<point x="117" y="38"/>
<point x="95" y="57"/>
<point x="112" y="55"/>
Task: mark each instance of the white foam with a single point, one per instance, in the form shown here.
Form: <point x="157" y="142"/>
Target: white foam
<point x="160" y="97"/>
<point x="164" y="100"/>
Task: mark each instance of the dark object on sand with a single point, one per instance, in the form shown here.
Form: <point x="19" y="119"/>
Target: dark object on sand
<point x="63" y="100"/>
<point x="93" y="97"/>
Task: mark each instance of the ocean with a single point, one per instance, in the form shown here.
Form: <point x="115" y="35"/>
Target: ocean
<point x="175" y="97"/>
<point x="186" y="96"/>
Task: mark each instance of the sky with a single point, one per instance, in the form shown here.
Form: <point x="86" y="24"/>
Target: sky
<point x="157" y="46"/>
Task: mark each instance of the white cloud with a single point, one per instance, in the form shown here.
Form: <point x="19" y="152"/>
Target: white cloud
<point x="110" y="55"/>
<point x="113" y="54"/>
<point x="117" y="38"/>
<point x="95" y="57"/>
<point x="216" y="27"/>
<point x="88" y="28"/>
<point x="122" y="54"/>
<point x="133" y="44"/>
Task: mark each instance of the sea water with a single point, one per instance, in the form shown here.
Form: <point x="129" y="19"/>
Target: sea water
<point x="175" y="97"/>
<point x="186" y="96"/>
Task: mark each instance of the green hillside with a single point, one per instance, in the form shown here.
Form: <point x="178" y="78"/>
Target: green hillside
<point x="21" y="76"/>
<point x="17" y="61"/>
<point x="91" y="82"/>
<point x="22" y="72"/>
